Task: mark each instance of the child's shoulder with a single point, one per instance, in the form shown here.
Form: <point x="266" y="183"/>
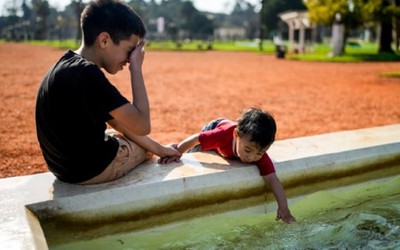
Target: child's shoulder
<point x="227" y="123"/>
<point x="225" y="127"/>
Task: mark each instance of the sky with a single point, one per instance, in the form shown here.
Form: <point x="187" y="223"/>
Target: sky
<point x="221" y="6"/>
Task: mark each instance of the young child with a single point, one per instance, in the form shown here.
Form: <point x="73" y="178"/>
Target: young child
<point x="76" y="102"/>
<point x="247" y="139"/>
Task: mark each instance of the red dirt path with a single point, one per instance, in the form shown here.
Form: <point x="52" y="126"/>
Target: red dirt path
<point x="186" y="89"/>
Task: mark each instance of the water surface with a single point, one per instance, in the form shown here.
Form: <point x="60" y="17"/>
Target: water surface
<point x="365" y="216"/>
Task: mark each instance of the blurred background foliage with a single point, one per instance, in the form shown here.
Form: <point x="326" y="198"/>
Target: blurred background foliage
<point x="178" y="25"/>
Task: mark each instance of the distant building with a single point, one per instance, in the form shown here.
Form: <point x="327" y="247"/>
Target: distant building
<point x="231" y="33"/>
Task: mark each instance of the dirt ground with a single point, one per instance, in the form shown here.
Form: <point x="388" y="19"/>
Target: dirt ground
<point x="187" y="89"/>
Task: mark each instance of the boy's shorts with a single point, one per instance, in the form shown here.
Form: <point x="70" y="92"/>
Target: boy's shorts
<point x="129" y="155"/>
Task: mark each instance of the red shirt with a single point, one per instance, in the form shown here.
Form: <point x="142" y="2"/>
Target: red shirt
<point x="220" y="139"/>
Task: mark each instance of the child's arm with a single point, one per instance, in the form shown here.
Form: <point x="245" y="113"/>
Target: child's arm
<point x="283" y="212"/>
<point x="182" y="147"/>
<point x="188" y="143"/>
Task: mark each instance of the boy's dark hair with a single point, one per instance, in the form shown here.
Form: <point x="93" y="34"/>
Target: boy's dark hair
<point x="259" y="125"/>
<point x="112" y="16"/>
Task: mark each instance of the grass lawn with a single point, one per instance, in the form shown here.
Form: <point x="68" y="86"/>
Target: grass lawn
<point x="354" y="51"/>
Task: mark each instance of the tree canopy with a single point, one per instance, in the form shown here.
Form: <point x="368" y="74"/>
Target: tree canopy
<point x="357" y="13"/>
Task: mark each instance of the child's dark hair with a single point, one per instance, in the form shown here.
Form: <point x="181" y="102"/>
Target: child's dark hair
<point x="112" y="16"/>
<point x="259" y="125"/>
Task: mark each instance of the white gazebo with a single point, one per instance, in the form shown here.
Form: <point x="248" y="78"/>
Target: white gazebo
<point x="296" y="20"/>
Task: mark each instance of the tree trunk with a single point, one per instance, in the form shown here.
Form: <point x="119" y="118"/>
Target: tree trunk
<point x="78" y="8"/>
<point x="262" y="25"/>
<point x="386" y="39"/>
<point x="397" y="28"/>
<point x="385" y="43"/>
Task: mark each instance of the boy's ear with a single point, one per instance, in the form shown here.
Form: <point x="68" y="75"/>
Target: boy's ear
<point x="103" y="39"/>
<point x="235" y="133"/>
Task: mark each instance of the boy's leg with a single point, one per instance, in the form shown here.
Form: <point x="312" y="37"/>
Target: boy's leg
<point x="129" y="156"/>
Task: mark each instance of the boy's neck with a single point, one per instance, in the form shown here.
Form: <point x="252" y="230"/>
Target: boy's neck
<point x="89" y="53"/>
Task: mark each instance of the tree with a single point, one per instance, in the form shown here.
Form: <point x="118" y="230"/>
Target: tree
<point x="141" y="7"/>
<point x="269" y="19"/>
<point x="397" y="25"/>
<point x="196" y="23"/>
<point x="356" y="13"/>
<point x="42" y="10"/>
<point x="271" y="9"/>
<point x="325" y="11"/>
<point x="383" y="12"/>
<point x="27" y="12"/>
<point x="77" y="6"/>
<point x="45" y="22"/>
<point x="386" y="39"/>
<point x="244" y="15"/>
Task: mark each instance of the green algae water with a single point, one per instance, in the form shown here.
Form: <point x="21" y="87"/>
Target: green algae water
<point x="363" y="216"/>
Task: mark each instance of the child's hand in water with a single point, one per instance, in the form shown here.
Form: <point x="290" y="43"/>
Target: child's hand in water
<point x="285" y="215"/>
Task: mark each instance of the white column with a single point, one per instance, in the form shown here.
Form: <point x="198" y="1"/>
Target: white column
<point x="301" y="38"/>
<point x="291" y="35"/>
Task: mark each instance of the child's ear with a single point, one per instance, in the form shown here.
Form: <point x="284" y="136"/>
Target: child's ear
<point x="235" y="133"/>
<point x="103" y="39"/>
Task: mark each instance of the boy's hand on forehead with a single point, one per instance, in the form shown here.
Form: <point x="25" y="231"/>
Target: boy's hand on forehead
<point x="141" y="42"/>
<point x="140" y="45"/>
<point x="137" y="55"/>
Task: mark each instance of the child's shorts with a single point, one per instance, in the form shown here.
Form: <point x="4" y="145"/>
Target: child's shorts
<point x="129" y="155"/>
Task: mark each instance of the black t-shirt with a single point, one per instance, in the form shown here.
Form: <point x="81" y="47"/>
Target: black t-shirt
<point x="72" y="107"/>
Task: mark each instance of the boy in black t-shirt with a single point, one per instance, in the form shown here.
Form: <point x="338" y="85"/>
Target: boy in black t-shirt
<point x="76" y="101"/>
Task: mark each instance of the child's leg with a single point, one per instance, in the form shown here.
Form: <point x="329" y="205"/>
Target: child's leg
<point x="129" y="156"/>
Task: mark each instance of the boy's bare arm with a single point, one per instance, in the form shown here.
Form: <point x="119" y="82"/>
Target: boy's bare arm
<point x="136" y="116"/>
<point x="139" y="93"/>
<point x="145" y="141"/>
<point x="283" y="212"/>
<point x="154" y="147"/>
